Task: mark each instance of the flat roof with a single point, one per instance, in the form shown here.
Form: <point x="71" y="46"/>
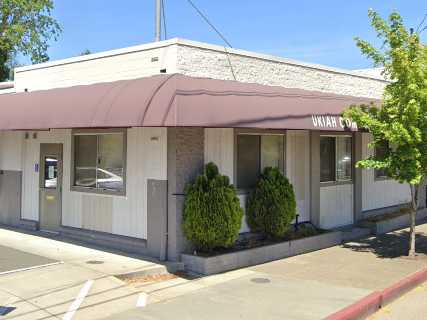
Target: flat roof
<point x="198" y="45"/>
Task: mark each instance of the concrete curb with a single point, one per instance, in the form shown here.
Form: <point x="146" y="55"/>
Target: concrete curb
<point x="378" y="299"/>
<point x="406" y="284"/>
<point x="258" y="255"/>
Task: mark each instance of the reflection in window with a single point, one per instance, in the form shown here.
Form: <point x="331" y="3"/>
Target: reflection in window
<point x="256" y="152"/>
<point x="85" y="160"/>
<point x="327" y="159"/>
<point x="248" y="161"/>
<point x="99" y="161"/>
<point x="271" y="151"/>
<point x="50" y="172"/>
<point x="110" y="164"/>
<point x="344" y="166"/>
<point x="336" y="163"/>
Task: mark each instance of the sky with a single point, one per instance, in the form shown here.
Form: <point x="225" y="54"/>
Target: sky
<point x="312" y="31"/>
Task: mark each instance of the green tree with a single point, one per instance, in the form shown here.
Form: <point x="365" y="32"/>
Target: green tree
<point x="26" y="26"/>
<point x="400" y="119"/>
<point x="85" y="52"/>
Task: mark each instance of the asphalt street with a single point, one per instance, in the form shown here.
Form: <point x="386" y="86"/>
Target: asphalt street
<point x="411" y="306"/>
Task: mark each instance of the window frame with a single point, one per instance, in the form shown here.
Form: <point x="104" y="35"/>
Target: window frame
<point x="256" y="132"/>
<point x="338" y="182"/>
<point x="96" y="132"/>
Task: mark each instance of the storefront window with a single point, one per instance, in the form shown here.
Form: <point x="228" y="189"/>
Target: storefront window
<point x="335" y="158"/>
<point x="256" y="152"/>
<point x="327" y="159"/>
<point x="381" y="151"/>
<point x="99" y="161"/>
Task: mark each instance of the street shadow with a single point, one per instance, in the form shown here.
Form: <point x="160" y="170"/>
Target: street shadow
<point x="391" y="245"/>
<point x="171" y="267"/>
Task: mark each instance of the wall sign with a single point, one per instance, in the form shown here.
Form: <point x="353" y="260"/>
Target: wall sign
<point x="332" y="122"/>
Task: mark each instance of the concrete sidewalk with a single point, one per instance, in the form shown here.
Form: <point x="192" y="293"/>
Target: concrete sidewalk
<point x="106" y="261"/>
<point x="50" y="291"/>
<point x="309" y="286"/>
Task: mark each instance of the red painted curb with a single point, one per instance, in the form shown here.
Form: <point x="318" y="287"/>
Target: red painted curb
<point x="359" y="309"/>
<point x="399" y="288"/>
<point x="371" y="303"/>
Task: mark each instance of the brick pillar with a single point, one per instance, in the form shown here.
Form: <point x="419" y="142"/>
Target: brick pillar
<point x="185" y="162"/>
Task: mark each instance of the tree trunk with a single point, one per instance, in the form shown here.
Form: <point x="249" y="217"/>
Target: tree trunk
<point x="415" y="189"/>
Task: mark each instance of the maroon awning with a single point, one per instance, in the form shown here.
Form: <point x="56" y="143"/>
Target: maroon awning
<point x="175" y="100"/>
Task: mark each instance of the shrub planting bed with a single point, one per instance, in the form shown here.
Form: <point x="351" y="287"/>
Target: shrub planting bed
<point x="212" y="220"/>
<point x="256" y="251"/>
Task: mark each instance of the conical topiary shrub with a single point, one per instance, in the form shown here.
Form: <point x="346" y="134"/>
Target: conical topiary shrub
<point x="271" y="207"/>
<point x="212" y="213"/>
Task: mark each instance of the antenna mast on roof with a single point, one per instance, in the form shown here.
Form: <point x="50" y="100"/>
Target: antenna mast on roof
<point x="158" y="26"/>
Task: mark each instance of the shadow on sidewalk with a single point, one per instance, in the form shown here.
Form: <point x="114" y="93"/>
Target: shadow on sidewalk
<point x="391" y="245"/>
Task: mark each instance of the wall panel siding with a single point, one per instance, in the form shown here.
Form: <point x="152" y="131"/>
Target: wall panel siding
<point x="11" y="150"/>
<point x="298" y="170"/>
<point x="380" y="193"/>
<point x="336" y="206"/>
<point x="219" y="148"/>
<point x="97" y="213"/>
<point x="121" y="215"/>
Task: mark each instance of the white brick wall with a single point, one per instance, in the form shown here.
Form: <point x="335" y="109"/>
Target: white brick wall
<point x="212" y="62"/>
<point x="195" y="59"/>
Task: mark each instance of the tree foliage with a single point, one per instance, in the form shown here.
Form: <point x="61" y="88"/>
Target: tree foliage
<point x="85" y="52"/>
<point x="26" y="26"/>
<point x="271" y="206"/>
<point x="212" y="213"/>
<point x="400" y="119"/>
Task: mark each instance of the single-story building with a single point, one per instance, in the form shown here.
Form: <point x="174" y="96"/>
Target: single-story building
<point x="100" y="147"/>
